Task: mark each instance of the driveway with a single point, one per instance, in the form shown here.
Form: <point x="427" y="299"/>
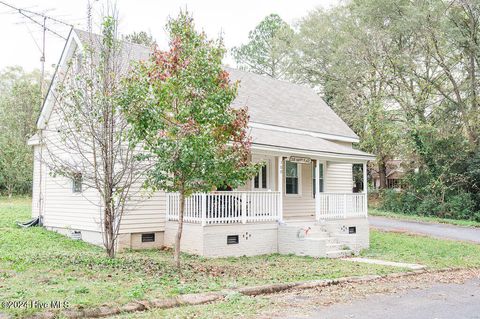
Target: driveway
<point x="430" y="229"/>
<point x="440" y="301"/>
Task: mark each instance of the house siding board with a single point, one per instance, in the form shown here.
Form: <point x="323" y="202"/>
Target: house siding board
<point x="339" y="177"/>
<point x="62" y="207"/>
<point x="144" y="211"/>
<point x="65" y="209"/>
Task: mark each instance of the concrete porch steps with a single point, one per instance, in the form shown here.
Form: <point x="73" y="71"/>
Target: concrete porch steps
<point x="339" y="253"/>
<point x="307" y="237"/>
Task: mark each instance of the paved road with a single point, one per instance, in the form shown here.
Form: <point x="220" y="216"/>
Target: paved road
<point x="440" y="301"/>
<point x="430" y="229"/>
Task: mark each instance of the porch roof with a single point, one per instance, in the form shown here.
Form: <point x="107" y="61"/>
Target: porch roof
<point x="303" y="144"/>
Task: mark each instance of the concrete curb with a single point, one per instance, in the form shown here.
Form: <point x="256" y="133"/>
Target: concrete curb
<point x="384" y="263"/>
<point x="204" y="298"/>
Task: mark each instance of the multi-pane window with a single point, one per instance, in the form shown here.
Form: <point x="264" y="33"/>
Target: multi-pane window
<point x="77" y="184"/>
<point x="260" y="180"/>
<point x="291" y="178"/>
<point x="320" y="179"/>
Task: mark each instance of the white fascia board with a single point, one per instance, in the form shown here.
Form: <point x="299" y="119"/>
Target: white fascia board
<point x="347" y="158"/>
<point x="72" y="43"/>
<point x="303" y="132"/>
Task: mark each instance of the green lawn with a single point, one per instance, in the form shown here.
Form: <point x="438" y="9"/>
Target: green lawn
<point x="36" y="264"/>
<point x="428" y="219"/>
<point x="434" y="253"/>
<point x="41" y="265"/>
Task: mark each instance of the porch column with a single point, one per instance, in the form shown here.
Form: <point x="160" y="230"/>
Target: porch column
<point x="280" y="187"/>
<point x="317" y="189"/>
<point x="365" y="189"/>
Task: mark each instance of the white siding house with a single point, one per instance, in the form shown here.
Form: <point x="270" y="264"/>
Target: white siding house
<point x="301" y="202"/>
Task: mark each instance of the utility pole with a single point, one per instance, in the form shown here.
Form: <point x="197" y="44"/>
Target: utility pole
<point x="40" y="19"/>
<point x="42" y="58"/>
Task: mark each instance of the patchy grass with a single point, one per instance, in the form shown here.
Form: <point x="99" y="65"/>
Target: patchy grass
<point x="235" y="306"/>
<point x="36" y="264"/>
<point x="435" y="253"/>
<point x="427" y="219"/>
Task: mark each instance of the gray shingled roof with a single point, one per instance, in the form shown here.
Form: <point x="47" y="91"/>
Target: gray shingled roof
<point x="269" y="101"/>
<point x="286" y="104"/>
<point x="273" y="102"/>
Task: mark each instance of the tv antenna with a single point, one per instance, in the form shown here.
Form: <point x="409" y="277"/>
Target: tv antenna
<point x="40" y="19"/>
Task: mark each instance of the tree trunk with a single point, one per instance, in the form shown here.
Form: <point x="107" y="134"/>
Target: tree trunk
<point x="108" y="229"/>
<point x="382" y="174"/>
<point x="179" y="230"/>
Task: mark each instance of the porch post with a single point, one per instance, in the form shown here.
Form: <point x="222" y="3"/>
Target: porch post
<point x="317" y="189"/>
<point x="204" y="209"/>
<point x="365" y="189"/>
<point x="280" y="187"/>
<point x="167" y="204"/>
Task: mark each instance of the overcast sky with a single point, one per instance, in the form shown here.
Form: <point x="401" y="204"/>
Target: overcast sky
<point x="234" y="19"/>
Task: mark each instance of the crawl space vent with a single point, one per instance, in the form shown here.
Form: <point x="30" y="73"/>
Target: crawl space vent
<point x="232" y="239"/>
<point x="148" y="238"/>
<point x="76" y="235"/>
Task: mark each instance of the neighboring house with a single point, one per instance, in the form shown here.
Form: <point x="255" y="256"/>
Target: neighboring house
<point x="395" y="173"/>
<point x="300" y="202"/>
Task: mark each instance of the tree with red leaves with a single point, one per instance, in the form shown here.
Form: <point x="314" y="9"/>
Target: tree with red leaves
<point x="178" y="104"/>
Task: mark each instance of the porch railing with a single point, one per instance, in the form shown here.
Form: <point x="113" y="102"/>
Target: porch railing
<point x="341" y="205"/>
<point x="226" y="207"/>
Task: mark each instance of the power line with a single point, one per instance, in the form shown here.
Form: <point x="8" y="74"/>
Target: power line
<point x="28" y="14"/>
<point x="26" y="11"/>
<point x="33" y="16"/>
<point x="40" y="20"/>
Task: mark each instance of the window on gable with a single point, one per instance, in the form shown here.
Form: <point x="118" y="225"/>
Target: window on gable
<point x="77" y="184"/>
<point x="291" y="178"/>
<point x="320" y="181"/>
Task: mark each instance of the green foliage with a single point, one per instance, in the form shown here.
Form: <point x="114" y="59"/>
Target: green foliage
<point x="19" y="107"/>
<point x="142" y="38"/>
<point x="179" y="106"/>
<point x="403" y="75"/>
<point x="269" y="50"/>
<point x="444" y="186"/>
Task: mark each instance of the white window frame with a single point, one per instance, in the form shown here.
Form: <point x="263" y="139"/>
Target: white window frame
<point x="324" y="163"/>
<point x="76" y="180"/>
<point x="268" y="160"/>
<point x="299" y="171"/>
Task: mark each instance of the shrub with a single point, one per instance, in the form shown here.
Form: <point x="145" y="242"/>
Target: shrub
<point x="461" y="206"/>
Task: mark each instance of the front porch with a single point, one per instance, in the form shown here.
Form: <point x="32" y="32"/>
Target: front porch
<point x="287" y="187"/>
<point x="312" y="211"/>
<point x="219" y="208"/>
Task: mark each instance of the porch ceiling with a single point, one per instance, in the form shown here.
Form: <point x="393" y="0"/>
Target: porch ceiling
<point x="303" y="144"/>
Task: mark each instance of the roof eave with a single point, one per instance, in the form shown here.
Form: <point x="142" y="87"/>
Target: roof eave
<point x="341" y="157"/>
